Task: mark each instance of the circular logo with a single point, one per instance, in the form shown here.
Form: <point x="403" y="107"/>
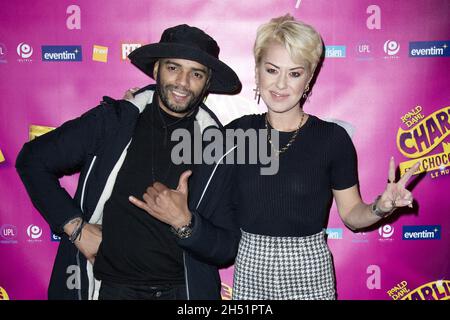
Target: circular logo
<point x="3" y="294"/>
<point x="386" y="231"/>
<point x="391" y="47"/>
<point x="24" y="50"/>
<point x="34" y="231"/>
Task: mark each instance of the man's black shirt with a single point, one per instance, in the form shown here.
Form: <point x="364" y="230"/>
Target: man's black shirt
<point x="136" y="247"/>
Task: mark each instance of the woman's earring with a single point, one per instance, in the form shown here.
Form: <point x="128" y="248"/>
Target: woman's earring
<point x="305" y="93"/>
<point x="257" y="94"/>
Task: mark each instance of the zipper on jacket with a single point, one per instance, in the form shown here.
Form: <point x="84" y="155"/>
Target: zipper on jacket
<point x="186" y="276"/>
<point x="79" y="274"/>
<point x="212" y="174"/>
<point x="85" y="181"/>
<point x="199" y="201"/>
<point x="81" y="205"/>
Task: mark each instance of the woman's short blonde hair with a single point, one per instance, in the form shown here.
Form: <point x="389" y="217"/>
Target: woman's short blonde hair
<point x="302" y="41"/>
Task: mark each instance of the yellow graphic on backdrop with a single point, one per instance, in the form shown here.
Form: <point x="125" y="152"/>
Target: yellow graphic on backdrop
<point x="422" y="136"/>
<point x="2" y="158"/>
<point x="36" y="131"/>
<point x="3" y="294"/>
<point x="425" y="135"/>
<point x="100" y="53"/>
<point x="430" y="163"/>
<point x="413" y="116"/>
<point x="399" y="291"/>
<point x="436" y="290"/>
<point x="226" y="291"/>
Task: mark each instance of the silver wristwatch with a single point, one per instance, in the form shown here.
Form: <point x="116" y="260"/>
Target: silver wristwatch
<point x="377" y="211"/>
<point x="184" y="231"/>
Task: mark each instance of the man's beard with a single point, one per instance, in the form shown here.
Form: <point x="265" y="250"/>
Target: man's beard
<point x="164" y="91"/>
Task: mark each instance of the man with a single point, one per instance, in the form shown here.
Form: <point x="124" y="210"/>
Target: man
<point x="120" y="148"/>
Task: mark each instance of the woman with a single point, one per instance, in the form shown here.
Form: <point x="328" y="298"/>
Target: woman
<point x="282" y="250"/>
<point x="282" y="253"/>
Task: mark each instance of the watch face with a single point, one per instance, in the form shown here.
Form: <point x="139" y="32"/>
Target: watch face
<point x="183" y="232"/>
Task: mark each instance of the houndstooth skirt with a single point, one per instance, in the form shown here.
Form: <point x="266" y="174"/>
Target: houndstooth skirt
<point x="283" y="268"/>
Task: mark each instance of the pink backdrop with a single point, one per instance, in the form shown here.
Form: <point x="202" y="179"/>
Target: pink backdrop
<point x="375" y="81"/>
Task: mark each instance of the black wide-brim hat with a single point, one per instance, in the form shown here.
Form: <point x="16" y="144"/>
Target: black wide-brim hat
<point x="190" y="43"/>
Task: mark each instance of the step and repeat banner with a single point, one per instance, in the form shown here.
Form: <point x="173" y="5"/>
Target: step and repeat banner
<point x="384" y="79"/>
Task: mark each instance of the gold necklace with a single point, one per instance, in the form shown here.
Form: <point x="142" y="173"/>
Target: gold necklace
<point x="291" y="140"/>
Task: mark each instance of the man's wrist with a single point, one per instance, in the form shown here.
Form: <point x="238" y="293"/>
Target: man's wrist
<point x="76" y="233"/>
<point x="185" y="230"/>
<point x="70" y="226"/>
<point x="187" y="217"/>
